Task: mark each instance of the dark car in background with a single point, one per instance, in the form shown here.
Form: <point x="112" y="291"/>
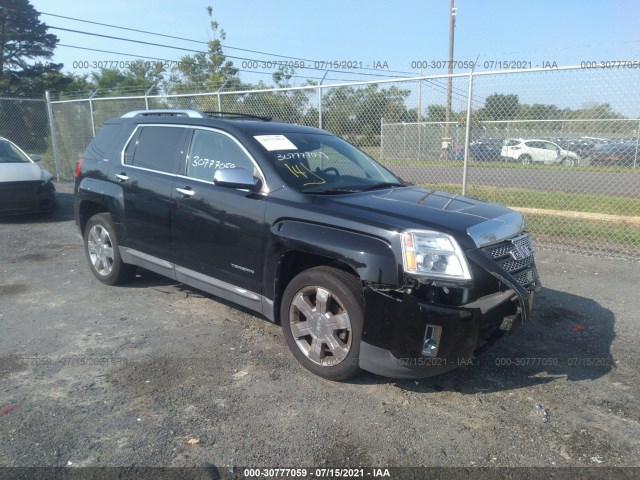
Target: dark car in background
<point x="24" y="186"/>
<point x="580" y="146"/>
<point x="486" y="149"/>
<point x="619" y="153"/>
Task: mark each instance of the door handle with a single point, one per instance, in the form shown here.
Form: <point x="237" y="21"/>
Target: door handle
<point x="185" y="192"/>
<point x="122" y="177"/>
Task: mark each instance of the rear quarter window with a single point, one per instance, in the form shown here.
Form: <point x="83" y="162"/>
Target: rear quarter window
<point x="107" y="143"/>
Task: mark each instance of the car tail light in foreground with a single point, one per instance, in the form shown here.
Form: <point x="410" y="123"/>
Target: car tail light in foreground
<point x="79" y="165"/>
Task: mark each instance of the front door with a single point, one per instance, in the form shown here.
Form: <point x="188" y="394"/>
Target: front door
<point x="218" y="231"/>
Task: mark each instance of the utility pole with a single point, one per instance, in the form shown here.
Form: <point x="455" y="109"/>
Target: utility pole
<point x="420" y="115"/>
<point x="446" y="142"/>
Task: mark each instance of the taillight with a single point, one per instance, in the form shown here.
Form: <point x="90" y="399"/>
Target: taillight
<point x="79" y="166"/>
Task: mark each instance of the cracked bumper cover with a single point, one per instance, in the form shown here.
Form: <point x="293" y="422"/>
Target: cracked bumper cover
<point x="394" y="329"/>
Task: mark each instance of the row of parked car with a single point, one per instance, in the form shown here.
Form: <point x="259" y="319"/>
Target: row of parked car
<point x="562" y="151"/>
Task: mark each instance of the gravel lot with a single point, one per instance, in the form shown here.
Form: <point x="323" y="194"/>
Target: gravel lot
<point x="158" y="374"/>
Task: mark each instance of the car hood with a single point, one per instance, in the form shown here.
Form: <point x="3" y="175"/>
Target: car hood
<point x="23" y="172"/>
<point x="473" y="222"/>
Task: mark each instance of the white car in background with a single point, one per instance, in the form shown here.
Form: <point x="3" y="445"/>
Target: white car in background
<point x="24" y="186"/>
<point x="536" y="150"/>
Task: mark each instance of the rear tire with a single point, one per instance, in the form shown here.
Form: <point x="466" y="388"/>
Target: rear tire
<point x="321" y="315"/>
<point x="103" y="255"/>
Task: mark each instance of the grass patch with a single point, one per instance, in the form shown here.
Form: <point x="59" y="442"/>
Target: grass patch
<point x="526" y="198"/>
<point x="508" y="165"/>
<point x="586" y="235"/>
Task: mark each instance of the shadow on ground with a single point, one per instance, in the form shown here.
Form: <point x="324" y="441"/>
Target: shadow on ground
<point x="569" y="337"/>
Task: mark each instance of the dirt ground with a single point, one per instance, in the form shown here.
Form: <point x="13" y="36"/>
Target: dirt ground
<point x="158" y="374"/>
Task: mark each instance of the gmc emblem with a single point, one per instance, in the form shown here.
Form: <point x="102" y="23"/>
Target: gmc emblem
<point x="520" y="252"/>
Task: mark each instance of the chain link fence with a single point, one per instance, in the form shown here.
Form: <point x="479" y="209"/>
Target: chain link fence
<point x="26" y="123"/>
<point x="560" y="145"/>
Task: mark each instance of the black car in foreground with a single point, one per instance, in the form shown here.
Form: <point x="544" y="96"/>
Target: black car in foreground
<point x="361" y="270"/>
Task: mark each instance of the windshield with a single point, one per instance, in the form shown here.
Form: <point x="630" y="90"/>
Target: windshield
<point x="9" y="153"/>
<point x="323" y="163"/>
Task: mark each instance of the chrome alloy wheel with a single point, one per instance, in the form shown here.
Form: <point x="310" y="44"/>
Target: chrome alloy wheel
<point x="320" y="326"/>
<point x="100" y="250"/>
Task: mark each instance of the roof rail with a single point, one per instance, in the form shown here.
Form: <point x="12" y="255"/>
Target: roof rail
<point x="167" y="113"/>
<point x="215" y="114"/>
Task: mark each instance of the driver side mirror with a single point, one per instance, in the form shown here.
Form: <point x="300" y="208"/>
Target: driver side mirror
<point x="240" y="178"/>
<point x="35" y="158"/>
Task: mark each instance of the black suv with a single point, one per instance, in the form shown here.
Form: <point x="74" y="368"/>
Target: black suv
<point x="359" y="268"/>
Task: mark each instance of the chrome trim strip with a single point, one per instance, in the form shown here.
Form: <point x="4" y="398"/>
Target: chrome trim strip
<point x="166" y="112"/>
<point x="496" y="229"/>
<point x="147" y="258"/>
<point x="214" y="282"/>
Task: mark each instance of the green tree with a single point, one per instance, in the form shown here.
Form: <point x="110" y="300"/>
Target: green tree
<point x="356" y="112"/>
<point x="209" y="70"/>
<point x="138" y="77"/>
<point x="436" y="113"/>
<point x="25" y="48"/>
<point x="500" y="107"/>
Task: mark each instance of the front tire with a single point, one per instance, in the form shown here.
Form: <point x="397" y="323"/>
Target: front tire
<point x="568" y="161"/>
<point x="101" y="249"/>
<point x="321" y="315"/>
<point x="525" y="159"/>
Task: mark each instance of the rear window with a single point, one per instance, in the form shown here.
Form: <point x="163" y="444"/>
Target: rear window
<point x="156" y="148"/>
<point x="511" y="143"/>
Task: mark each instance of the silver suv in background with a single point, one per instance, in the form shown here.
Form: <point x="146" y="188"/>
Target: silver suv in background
<point x="535" y="150"/>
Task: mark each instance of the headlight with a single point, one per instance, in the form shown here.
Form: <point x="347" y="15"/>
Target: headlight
<point x="434" y="255"/>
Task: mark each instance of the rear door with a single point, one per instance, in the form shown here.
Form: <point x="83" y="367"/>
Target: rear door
<point x="552" y="152"/>
<point x="537" y="151"/>
<point x="218" y="231"/>
<point x="146" y="172"/>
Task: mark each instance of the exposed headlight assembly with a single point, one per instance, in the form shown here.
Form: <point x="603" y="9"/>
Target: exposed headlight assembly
<point x="433" y="255"/>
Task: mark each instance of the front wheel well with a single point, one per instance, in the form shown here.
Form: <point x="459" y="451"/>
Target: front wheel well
<point x="294" y="263"/>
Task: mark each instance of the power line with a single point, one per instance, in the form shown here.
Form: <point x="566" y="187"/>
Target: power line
<point x="199" y="51"/>
<point x="188" y="63"/>
<point x="147" y="32"/>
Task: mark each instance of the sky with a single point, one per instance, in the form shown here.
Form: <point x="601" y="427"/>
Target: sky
<point x="386" y="38"/>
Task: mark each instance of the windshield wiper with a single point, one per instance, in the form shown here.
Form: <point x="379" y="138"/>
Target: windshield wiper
<point x="380" y="185"/>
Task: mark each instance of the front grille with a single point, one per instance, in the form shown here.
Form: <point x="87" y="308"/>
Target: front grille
<point x="515" y="256"/>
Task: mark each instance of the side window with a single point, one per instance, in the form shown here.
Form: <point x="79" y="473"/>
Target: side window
<point x="533" y="144"/>
<point x="212" y="151"/>
<point x="550" y="146"/>
<point x="156" y="148"/>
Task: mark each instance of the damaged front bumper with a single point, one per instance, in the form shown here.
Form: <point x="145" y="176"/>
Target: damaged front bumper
<point x="407" y="337"/>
